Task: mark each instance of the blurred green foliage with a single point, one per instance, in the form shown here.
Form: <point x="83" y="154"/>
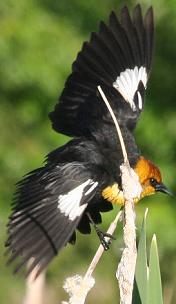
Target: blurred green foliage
<point x="39" y="40"/>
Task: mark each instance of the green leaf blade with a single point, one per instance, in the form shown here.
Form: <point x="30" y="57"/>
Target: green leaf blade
<point x="154" y="283"/>
<point x="141" y="264"/>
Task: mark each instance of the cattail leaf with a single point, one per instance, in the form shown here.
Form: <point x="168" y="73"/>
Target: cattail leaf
<point x="154" y="284"/>
<point x="141" y="264"/>
<point x="136" y="297"/>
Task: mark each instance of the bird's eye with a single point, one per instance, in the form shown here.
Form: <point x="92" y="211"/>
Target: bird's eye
<point x="153" y="182"/>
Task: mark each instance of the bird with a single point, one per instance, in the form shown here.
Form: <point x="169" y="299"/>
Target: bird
<point x="81" y="179"/>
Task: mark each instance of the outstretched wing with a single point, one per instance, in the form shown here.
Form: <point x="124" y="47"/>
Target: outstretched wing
<point x="118" y="58"/>
<point x="48" y="207"/>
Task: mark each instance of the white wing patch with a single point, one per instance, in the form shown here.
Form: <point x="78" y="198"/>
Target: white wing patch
<point x="69" y="204"/>
<point x="127" y="83"/>
<point x="139" y="100"/>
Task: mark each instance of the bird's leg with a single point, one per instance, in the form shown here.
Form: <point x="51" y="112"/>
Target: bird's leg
<point x="101" y="234"/>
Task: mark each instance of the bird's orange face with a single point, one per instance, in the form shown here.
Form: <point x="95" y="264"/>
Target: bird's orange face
<point x="150" y="177"/>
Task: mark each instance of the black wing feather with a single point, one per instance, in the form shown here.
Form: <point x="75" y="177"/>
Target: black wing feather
<point x="140" y="32"/>
<point x="116" y="47"/>
<point x="127" y="24"/>
<point x="149" y="39"/>
<point x="38" y="228"/>
<point x="117" y="57"/>
<point x="121" y="38"/>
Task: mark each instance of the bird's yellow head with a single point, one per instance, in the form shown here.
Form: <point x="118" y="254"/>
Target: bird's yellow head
<point x="150" y="178"/>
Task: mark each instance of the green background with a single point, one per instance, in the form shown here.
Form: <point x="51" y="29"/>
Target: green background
<point x="38" y="42"/>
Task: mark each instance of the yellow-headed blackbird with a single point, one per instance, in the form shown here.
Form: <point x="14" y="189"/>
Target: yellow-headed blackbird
<point x="82" y="178"/>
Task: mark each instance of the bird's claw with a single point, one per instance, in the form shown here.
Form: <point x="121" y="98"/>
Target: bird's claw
<point x="102" y="236"/>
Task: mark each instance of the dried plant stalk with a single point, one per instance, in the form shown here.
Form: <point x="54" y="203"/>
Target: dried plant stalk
<point x="126" y="268"/>
<point x="35" y="288"/>
<point x="131" y="190"/>
<point x="78" y="287"/>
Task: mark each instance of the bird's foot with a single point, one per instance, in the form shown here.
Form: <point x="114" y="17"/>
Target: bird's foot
<point x="105" y="238"/>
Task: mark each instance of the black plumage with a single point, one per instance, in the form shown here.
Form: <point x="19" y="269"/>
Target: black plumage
<point x="36" y="227"/>
<point x="54" y="200"/>
<point x="116" y="47"/>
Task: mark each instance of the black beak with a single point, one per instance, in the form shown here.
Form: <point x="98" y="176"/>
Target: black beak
<point x="162" y="188"/>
